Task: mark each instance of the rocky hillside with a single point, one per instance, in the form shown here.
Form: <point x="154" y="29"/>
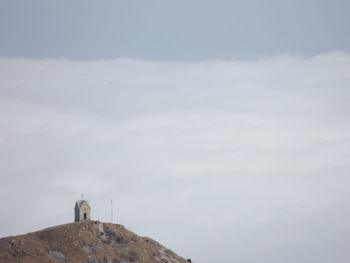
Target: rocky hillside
<point x="84" y="242"/>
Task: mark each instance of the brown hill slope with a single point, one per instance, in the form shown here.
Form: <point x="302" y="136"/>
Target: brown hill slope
<point x="84" y="242"/>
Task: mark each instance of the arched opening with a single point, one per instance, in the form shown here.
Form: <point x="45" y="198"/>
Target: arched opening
<point x="84" y="216"/>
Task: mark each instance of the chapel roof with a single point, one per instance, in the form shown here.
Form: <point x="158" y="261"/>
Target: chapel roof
<point x="80" y="203"/>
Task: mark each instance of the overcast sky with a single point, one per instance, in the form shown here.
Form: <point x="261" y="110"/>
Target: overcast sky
<point x="176" y="30"/>
<point x="220" y="129"/>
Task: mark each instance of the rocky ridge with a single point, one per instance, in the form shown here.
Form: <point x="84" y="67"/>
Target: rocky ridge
<point x="84" y="242"/>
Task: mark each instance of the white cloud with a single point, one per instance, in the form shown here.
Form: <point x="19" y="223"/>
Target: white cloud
<point x="229" y="160"/>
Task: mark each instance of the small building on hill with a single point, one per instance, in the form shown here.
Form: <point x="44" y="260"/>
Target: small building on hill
<point x="82" y="210"/>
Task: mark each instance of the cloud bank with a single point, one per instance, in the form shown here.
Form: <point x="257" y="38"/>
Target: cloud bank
<point x="229" y="161"/>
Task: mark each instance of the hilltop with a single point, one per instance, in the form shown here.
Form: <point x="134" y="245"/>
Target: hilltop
<point x="84" y="242"/>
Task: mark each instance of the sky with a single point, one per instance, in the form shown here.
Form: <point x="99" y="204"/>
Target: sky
<point x="172" y="30"/>
<point x="220" y="129"/>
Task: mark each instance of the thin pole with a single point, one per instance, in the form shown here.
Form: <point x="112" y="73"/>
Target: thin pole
<point x="112" y="211"/>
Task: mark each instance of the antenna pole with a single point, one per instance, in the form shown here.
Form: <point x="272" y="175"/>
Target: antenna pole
<point x="112" y="211"/>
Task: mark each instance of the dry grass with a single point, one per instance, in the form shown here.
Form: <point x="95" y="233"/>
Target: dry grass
<point x="84" y="242"/>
